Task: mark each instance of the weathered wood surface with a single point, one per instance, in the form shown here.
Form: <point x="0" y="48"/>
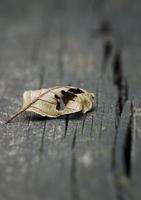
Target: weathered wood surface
<point x="90" y="44"/>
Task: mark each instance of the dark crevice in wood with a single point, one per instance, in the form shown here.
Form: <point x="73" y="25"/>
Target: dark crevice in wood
<point x="128" y="143"/>
<point x="124" y="172"/>
<point x="74" y="139"/>
<point x="66" y="125"/>
<point x="121" y="84"/>
<point x="105" y="31"/>
<point x="117" y="69"/>
<point x="122" y="95"/>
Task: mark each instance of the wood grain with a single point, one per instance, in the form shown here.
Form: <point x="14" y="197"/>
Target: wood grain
<point x="88" y="44"/>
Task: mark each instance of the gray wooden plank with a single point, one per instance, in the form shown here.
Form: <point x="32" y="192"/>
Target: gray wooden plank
<point x="124" y="23"/>
<point x="52" y="45"/>
<point x="123" y="152"/>
<point x="63" y="154"/>
<point x="18" y="70"/>
<point x="124" y="20"/>
<point x="136" y="152"/>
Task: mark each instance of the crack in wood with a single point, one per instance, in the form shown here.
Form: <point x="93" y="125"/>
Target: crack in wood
<point x="128" y="143"/>
<point x="66" y="125"/>
<point x="73" y="178"/>
<point x="106" y="32"/>
<point x="122" y="91"/>
<point x="122" y="153"/>
<point x="120" y="82"/>
<point x="22" y="173"/>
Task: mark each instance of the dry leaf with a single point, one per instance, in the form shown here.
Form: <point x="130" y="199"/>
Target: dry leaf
<point x="56" y="101"/>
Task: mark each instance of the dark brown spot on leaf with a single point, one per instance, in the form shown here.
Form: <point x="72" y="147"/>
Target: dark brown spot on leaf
<point x="58" y="105"/>
<point x="67" y="96"/>
<point x="56" y="96"/>
<point x="75" y="90"/>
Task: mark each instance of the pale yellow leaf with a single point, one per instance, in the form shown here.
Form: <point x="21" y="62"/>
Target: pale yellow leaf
<point x="57" y="101"/>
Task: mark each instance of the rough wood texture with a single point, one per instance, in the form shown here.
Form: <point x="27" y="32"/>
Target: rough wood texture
<point x="90" y="44"/>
